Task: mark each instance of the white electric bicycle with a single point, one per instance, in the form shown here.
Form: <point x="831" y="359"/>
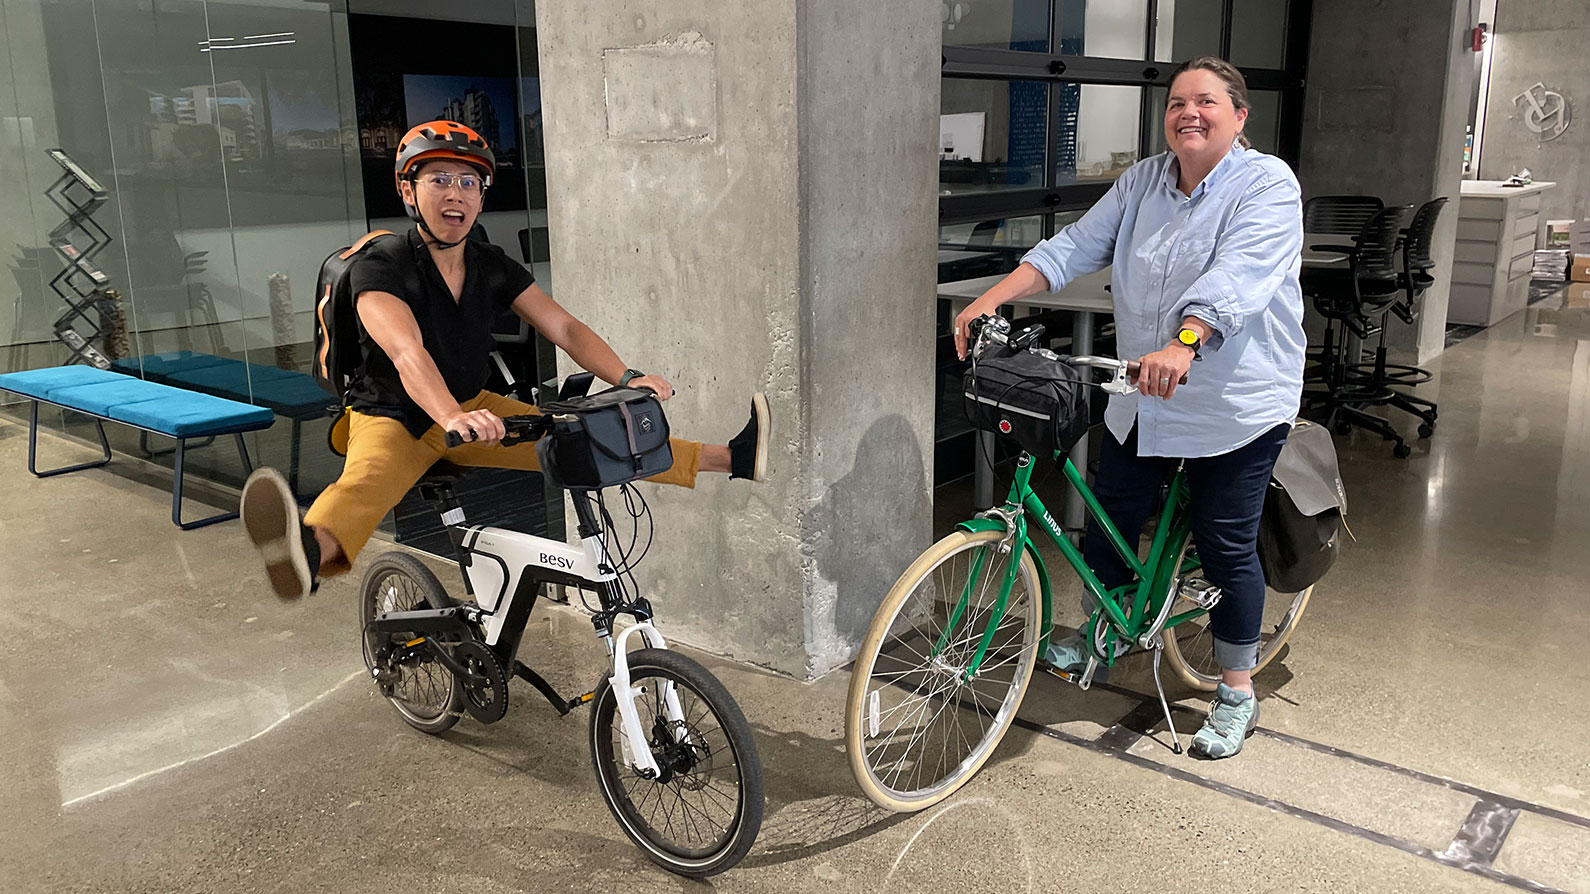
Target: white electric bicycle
<point x="674" y="757"/>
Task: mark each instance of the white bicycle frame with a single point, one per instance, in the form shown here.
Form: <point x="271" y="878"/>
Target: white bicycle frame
<point x="494" y="584"/>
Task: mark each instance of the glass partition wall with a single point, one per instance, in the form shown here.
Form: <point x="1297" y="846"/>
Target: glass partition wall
<point x="224" y="135"/>
<point x="239" y="143"/>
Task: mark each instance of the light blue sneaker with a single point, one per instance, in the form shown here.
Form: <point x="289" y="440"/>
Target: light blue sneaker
<point x="1232" y="717"/>
<point x="1070" y="655"/>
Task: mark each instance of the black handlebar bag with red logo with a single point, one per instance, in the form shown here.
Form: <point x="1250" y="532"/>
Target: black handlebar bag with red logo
<point x="609" y="438"/>
<point x="1039" y="402"/>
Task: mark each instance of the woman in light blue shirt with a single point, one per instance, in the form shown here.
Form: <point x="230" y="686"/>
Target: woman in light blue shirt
<point x="1205" y="243"/>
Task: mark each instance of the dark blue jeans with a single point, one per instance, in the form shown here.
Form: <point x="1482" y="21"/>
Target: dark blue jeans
<point x="1227" y="494"/>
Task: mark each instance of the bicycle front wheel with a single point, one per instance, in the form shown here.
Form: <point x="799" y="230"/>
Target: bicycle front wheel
<point x="918" y="723"/>
<point x="1189" y="646"/>
<point x="701" y="813"/>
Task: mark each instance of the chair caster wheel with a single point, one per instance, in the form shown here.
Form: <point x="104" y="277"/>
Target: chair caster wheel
<point x="1402" y="451"/>
<point x="1426" y="430"/>
<point x="1344" y="428"/>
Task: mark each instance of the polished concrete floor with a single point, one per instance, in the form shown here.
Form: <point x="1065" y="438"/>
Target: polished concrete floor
<point x="169" y="727"/>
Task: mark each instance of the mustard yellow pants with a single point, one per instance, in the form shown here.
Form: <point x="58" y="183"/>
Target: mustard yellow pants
<point x="384" y="461"/>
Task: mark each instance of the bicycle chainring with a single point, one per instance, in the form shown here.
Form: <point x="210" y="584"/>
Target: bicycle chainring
<point x="485" y="699"/>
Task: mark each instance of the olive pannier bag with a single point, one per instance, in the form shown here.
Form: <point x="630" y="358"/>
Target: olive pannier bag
<point x="1300" y="525"/>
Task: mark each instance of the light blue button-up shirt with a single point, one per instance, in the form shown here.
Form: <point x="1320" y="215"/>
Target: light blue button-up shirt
<point x="1229" y="255"/>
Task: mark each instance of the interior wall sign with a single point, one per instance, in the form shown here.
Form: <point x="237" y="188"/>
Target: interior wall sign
<point x="1547" y="113"/>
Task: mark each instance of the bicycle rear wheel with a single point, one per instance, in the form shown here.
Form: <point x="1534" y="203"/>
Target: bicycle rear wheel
<point x="1189" y="646"/>
<point x="916" y="729"/>
<point x="424" y="692"/>
<point x="701" y="814"/>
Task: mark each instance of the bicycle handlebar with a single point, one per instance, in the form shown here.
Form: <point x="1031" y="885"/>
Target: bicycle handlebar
<point x="997" y="330"/>
<point x="521" y="429"/>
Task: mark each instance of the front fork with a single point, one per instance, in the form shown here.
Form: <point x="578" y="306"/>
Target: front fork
<point x="636" y="750"/>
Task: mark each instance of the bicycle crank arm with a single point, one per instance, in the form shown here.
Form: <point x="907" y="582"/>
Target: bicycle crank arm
<point x="1083" y="680"/>
<point x="561" y="704"/>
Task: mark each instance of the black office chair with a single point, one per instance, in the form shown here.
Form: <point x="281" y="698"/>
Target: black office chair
<point x="1350" y="304"/>
<point x="1413" y="280"/>
<point x="1342" y="216"/>
<point x="1339" y="215"/>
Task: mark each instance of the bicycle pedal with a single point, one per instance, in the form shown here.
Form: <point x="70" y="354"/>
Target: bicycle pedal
<point x="1199" y="592"/>
<point x="1081" y="679"/>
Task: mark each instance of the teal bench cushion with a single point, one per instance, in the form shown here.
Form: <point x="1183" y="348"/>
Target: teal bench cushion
<point x="288" y="392"/>
<point x="160" y="408"/>
<point x="103" y="397"/>
<point x="40" y="382"/>
<point x="187" y="415"/>
<point x="156" y="366"/>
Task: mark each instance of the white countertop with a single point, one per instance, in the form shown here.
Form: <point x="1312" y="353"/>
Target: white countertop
<point x="1493" y="189"/>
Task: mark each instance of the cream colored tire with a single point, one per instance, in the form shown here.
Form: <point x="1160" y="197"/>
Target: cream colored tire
<point x="1187" y="645"/>
<point x="992" y="697"/>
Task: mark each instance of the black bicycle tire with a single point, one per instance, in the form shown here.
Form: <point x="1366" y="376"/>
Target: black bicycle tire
<point x="748" y="814"/>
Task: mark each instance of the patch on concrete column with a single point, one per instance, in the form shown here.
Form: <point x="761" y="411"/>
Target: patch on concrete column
<point x="664" y="92"/>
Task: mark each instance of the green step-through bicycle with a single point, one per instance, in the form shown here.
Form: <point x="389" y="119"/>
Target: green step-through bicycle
<point x="952" y="649"/>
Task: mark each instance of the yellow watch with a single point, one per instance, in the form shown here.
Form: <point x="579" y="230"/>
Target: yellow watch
<point x="1190" y="339"/>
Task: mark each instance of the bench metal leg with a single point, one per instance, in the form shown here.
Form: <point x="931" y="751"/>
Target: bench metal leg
<point x="292" y="464"/>
<point x="33" y="449"/>
<point x="176" y="485"/>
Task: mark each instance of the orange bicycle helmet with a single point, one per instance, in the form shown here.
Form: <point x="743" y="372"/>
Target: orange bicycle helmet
<point x="444" y="139"/>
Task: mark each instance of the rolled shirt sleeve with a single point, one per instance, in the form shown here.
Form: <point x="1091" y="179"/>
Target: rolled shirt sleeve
<point x="1086" y="246"/>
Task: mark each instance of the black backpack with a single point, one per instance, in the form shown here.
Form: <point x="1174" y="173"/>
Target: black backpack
<point x="337" y="352"/>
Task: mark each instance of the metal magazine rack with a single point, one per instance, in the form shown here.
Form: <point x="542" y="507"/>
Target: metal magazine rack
<point x="90" y="305"/>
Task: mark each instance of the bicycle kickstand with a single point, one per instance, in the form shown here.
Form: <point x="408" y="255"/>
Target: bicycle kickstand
<point x="1159" y="650"/>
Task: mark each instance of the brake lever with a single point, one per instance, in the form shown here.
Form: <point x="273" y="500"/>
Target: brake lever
<point x="1119" y="383"/>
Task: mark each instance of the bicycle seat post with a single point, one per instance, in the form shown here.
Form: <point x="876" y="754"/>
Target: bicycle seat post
<point x="441" y="494"/>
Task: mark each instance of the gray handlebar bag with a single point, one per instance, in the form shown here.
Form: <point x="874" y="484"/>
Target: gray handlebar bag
<point x="1300" y="527"/>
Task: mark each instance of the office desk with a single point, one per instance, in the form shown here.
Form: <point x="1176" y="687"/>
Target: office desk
<point x="1494" y="254"/>
<point x="1324" y="259"/>
<point x="1084" y="297"/>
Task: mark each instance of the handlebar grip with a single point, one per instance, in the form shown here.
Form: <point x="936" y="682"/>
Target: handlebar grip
<point x="454" y="439"/>
<point x="1133" y="366"/>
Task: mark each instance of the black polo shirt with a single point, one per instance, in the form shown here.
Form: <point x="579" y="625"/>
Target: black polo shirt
<point x="457" y="334"/>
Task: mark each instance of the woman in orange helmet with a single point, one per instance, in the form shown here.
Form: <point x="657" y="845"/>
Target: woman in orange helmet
<point x="426" y="304"/>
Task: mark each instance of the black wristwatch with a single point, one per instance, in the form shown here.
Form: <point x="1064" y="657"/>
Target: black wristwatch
<point x="1189" y="339"/>
<point x="629" y="374"/>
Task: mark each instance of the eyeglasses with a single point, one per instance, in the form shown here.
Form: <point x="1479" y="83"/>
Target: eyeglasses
<point x="468" y="184"/>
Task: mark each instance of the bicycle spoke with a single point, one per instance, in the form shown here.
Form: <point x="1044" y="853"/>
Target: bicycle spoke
<point x="932" y="721"/>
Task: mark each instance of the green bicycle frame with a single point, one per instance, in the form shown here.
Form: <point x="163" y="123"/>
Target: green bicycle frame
<point x="1151" y="578"/>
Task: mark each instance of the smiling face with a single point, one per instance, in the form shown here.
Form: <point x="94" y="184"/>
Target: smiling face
<point x="1201" y="122"/>
<point x="450" y="213"/>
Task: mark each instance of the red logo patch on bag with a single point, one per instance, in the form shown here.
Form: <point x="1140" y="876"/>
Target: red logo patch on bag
<point x="1004" y="426"/>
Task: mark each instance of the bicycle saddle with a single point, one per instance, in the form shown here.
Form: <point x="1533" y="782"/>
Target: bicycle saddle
<point x="443" y="472"/>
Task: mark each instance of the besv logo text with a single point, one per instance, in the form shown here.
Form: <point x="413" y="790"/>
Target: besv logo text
<point x="547" y="559"/>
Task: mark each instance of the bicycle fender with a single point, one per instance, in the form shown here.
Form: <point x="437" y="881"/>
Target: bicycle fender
<point x="979" y="525"/>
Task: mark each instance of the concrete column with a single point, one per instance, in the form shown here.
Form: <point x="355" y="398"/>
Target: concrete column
<point x="1385" y="110"/>
<point x="742" y="197"/>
